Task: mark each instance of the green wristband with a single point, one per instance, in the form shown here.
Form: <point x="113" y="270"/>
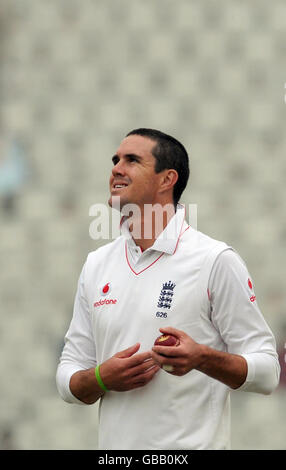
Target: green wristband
<point x="99" y="380"/>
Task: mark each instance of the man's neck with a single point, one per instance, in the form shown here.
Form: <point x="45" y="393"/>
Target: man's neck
<point x="147" y="227"/>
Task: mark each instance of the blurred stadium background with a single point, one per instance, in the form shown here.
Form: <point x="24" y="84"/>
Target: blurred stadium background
<point x="75" y="77"/>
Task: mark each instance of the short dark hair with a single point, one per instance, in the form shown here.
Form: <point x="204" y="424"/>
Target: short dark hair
<point x="169" y="154"/>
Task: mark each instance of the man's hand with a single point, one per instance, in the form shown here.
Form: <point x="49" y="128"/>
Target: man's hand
<point x="185" y="357"/>
<point x="127" y="370"/>
<point x="231" y="369"/>
<point x="124" y="371"/>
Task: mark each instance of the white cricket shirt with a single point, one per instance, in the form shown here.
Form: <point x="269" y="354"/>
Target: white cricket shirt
<point x="188" y="281"/>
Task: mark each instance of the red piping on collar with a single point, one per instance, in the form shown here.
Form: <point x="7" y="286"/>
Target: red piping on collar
<point x="142" y="269"/>
<point x="180" y="231"/>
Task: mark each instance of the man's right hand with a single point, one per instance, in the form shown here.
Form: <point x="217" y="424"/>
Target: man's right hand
<point x="124" y="371"/>
<point x="127" y="370"/>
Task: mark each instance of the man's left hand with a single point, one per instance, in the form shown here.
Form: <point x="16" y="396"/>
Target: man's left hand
<point x="183" y="358"/>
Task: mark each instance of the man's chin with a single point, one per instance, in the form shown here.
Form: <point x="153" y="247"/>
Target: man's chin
<point x="115" y="202"/>
<point x="124" y="206"/>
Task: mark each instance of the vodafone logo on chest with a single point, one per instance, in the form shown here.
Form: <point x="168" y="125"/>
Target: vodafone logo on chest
<point x="104" y="290"/>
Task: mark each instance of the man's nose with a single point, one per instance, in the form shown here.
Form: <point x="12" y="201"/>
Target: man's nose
<point x="118" y="169"/>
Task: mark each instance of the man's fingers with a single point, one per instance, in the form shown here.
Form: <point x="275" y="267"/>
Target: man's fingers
<point x="173" y="331"/>
<point x="133" y="359"/>
<point x="138" y="359"/>
<point x="128" y="352"/>
<point x="170" y="351"/>
<point x="142" y="367"/>
<point x="142" y="379"/>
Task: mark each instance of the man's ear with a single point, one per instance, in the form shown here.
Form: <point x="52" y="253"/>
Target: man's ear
<point x="169" y="179"/>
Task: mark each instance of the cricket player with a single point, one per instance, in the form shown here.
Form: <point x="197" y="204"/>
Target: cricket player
<point x="175" y="281"/>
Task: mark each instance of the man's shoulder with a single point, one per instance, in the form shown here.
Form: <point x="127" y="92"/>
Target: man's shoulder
<point x="104" y="251"/>
<point x="201" y="241"/>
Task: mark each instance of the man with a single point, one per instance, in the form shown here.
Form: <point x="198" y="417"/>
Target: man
<point x="176" y="280"/>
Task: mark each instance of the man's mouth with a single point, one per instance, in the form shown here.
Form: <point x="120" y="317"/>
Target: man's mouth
<point x="119" y="185"/>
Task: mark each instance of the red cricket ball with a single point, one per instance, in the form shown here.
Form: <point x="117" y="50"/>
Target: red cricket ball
<point x="166" y="340"/>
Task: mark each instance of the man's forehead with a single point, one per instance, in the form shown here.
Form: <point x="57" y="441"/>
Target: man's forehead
<point x="136" y="144"/>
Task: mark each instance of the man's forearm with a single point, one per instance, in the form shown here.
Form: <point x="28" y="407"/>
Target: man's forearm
<point x="231" y="369"/>
<point x="84" y="386"/>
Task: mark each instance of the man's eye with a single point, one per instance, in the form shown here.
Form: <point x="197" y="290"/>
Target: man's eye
<point x="115" y="161"/>
<point x="132" y="159"/>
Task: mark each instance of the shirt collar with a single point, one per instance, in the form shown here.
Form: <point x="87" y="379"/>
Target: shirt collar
<point x="168" y="239"/>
